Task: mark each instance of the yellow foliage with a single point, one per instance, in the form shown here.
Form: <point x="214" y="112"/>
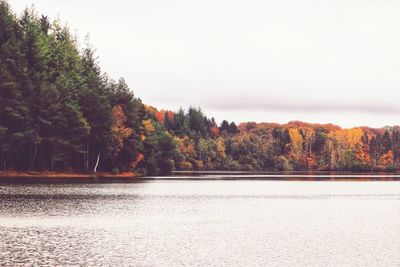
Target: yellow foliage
<point x="296" y="142"/>
<point x="150" y="109"/>
<point x="148" y="126"/>
<point x="186" y="166"/>
<point x="186" y="147"/>
<point x="220" y="148"/>
<point x="349" y="137"/>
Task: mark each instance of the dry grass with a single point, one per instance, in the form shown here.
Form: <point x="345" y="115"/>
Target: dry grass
<point x="63" y="174"/>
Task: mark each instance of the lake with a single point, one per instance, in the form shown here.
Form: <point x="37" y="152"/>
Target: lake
<point x="201" y="223"/>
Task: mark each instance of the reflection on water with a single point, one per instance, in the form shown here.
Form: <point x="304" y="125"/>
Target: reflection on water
<point x="218" y="223"/>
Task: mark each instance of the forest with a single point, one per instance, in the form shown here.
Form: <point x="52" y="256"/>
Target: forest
<point x="60" y="112"/>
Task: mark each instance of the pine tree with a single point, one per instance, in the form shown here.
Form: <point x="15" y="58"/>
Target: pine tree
<point x="97" y="111"/>
<point x="13" y="107"/>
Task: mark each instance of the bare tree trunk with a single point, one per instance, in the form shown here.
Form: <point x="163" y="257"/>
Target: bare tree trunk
<point x="97" y="163"/>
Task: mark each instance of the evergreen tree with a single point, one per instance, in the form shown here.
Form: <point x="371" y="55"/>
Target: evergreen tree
<point x="386" y="142"/>
<point x="13" y="107"/>
<point x="181" y="123"/>
<point x="97" y="111"/>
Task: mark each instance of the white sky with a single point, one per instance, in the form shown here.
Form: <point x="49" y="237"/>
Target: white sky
<point x="319" y="61"/>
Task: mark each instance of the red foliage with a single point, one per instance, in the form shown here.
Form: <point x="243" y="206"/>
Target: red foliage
<point x="170" y="115"/>
<point x="159" y="115"/>
<point x="214" y="131"/>
<point x="247" y="126"/>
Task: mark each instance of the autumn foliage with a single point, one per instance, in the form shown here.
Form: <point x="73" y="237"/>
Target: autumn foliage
<point x="60" y="112"/>
<point x="270" y="146"/>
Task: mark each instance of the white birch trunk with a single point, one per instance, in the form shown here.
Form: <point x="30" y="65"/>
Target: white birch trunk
<point x="97" y="162"/>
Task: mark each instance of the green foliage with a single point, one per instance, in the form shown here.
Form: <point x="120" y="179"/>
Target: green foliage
<point x="282" y="164"/>
<point x="55" y="103"/>
<point x="228" y="128"/>
<point x="160" y="151"/>
<point x="59" y="111"/>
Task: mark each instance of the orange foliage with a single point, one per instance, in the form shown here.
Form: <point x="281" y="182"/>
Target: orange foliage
<point x="387" y="159"/>
<point x="214" y="131"/>
<point x="186" y="147"/>
<point x="159" y="115"/>
<point x="247" y="126"/>
<point x="119" y="131"/>
<point x="363" y="157"/>
<point x="138" y="159"/>
<point x="299" y="124"/>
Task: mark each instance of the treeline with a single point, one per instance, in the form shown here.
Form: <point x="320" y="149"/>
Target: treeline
<point x="60" y="112"/>
<point x="270" y="146"/>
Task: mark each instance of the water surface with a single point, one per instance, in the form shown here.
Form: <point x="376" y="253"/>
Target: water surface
<point x="201" y="223"/>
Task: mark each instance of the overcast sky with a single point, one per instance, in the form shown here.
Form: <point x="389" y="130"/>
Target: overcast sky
<point x="319" y="61"/>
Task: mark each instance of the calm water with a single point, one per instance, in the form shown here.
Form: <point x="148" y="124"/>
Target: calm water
<point x="201" y="223"/>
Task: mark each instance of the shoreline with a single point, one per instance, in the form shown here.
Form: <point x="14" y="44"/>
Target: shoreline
<point x="130" y="177"/>
<point x="60" y="177"/>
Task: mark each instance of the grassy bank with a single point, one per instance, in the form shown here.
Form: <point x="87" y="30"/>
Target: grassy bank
<point x="45" y="176"/>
